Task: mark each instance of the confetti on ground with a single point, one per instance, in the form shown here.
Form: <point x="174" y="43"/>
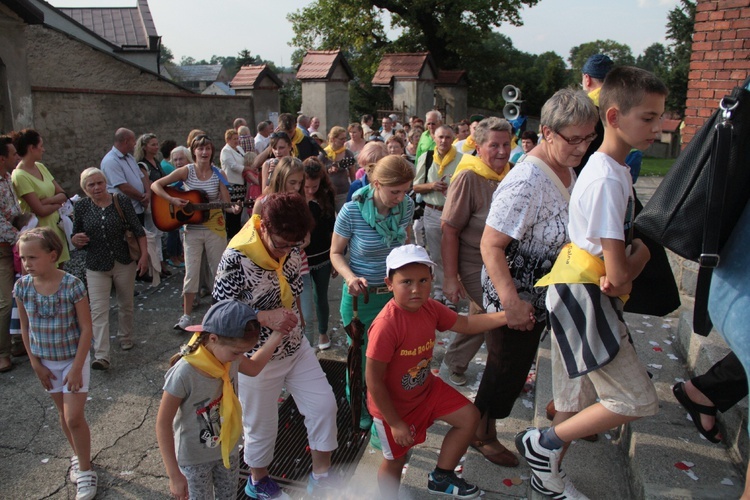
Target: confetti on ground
<point x="516" y="481"/>
<point x="508" y="482"/>
<point x="652" y="342"/>
<point x="608" y="436"/>
<point x="672" y="357"/>
<point x="435" y="371"/>
<point x="691" y="475"/>
<point x="666" y="325"/>
<point x="45" y="460"/>
<point x="655" y="366"/>
<point x="126" y="473"/>
<point x="668" y="342"/>
<point x="89" y="398"/>
<point x="728" y="482"/>
<point x="639" y="331"/>
<point x="679" y="379"/>
<point x="647" y="324"/>
<point x="527" y="403"/>
<point x="658" y="349"/>
<point x="684" y="465"/>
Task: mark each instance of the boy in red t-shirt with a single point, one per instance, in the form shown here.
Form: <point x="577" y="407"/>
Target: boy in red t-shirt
<point x="403" y="396"/>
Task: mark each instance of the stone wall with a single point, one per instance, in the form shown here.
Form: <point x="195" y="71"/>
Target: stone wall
<point x="78" y="127"/>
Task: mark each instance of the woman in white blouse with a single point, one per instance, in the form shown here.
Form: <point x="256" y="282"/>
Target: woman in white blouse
<point x="232" y="163"/>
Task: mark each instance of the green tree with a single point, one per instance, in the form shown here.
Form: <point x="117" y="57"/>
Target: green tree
<point x="680" y="22"/>
<point x="620" y="54"/>
<point x="165" y="55"/>
<point x="187" y="61"/>
<point x="654" y="59"/>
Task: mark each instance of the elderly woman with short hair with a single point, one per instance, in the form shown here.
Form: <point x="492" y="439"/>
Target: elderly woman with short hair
<point x="100" y="229"/>
<point x="525" y="231"/>
<point x="232" y="160"/>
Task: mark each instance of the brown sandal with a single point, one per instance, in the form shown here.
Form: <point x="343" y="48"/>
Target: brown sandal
<point x="504" y="458"/>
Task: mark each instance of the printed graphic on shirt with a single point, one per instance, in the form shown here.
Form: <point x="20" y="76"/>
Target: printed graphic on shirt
<point x="416" y="375"/>
<point x="209" y="422"/>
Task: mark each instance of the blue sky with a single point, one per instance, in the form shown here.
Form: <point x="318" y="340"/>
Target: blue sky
<point x="191" y="28"/>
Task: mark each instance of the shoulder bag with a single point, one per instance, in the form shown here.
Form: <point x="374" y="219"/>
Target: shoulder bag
<point x="134" y="249"/>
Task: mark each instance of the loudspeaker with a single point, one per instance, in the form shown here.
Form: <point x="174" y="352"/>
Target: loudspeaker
<point x="511" y="111"/>
<point x="511" y="93"/>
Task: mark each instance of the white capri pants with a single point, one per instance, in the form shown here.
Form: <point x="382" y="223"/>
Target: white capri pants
<point x="305" y="380"/>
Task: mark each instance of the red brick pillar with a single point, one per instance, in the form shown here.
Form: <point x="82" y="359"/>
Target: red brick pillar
<point x="720" y="60"/>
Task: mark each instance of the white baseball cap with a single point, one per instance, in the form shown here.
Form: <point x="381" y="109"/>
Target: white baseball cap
<point x="407" y="254"/>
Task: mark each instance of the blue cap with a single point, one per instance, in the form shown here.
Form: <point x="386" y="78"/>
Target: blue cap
<point x="597" y="66"/>
<point x="226" y="318"/>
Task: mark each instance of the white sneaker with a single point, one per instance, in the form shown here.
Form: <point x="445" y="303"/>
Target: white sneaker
<point x="86" y="485"/>
<point x="543" y="462"/>
<point x="74" y="470"/>
<point x="569" y="493"/>
<point x="183" y="322"/>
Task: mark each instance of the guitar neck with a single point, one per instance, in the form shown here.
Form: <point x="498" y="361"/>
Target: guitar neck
<point x="211" y="206"/>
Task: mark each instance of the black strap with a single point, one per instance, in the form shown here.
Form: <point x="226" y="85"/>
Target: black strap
<point x="709" y="259"/>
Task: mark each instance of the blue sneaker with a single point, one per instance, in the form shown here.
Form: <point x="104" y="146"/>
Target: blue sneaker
<point x="451" y="485"/>
<point x="266" y="489"/>
<point x="322" y="488"/>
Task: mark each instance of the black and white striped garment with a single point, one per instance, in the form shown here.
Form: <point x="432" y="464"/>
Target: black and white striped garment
<point x="587" y="325"/>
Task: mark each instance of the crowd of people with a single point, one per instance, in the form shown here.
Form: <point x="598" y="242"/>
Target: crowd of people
<point x="416" y="215"/>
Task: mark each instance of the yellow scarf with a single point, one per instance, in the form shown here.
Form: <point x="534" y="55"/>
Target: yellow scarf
<point x="216" y="222"/>
<point x="476" y="165"/>
<point x="298" y="136"/>
<point x="575" y="265"/>
<point x="443" y="161"/>
<point x="332" y="154"/>
<point x="469" y="145"/>
<point x="229" y="408"/>
<point x="248" y="242"/>
<point x="594" y="96"/>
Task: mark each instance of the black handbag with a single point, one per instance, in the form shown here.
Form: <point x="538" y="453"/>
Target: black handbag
<point x="695" y="208"/>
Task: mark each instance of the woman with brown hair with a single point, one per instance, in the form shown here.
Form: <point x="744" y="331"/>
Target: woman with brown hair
<point x="340" y="164"/>
<point x="356" y="138"/>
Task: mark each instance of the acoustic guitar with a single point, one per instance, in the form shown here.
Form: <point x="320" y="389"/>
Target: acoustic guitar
<point x="168" y="217"/>
<point x="342" y="164"/>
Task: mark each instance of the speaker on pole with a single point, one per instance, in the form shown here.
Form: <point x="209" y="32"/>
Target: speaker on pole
<point x="511" y="111"/>
<point x="511" y="93"/>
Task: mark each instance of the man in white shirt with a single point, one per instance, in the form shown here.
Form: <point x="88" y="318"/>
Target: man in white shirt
<point x="263" y="138"/>
<point x="122" y="172"/>
<point x="387" y="130"/>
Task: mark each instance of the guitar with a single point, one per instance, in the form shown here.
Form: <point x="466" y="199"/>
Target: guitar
<point x="168" y="217"/>
<point x="342" y="164"/>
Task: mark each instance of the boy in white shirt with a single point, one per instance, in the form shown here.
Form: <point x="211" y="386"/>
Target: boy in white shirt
<point x="591" y="350"/>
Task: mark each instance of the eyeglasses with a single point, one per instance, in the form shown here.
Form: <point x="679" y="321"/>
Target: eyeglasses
<point x="285" y="246"/>
<point x="575" y="141"/>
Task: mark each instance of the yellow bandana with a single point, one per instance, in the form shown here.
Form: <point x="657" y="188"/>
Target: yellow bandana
<point x="443" y="161"/>
<point x="230" y="410"/>
<point x="575" y="265"/>
<point x="216" y="222"/>
<point x="248" y="242"/>
<point x="469" y="145"/>
<point x="594" y="96"/>
<point x="298" y="136"/>
<point x="479" y="167"/>
<point x="332" y="154"/>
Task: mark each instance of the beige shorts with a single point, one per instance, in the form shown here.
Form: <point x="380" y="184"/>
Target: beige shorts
<point x="622" y="385"/>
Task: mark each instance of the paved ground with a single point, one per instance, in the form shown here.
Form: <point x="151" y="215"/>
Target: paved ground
<point x="124" y="402"/>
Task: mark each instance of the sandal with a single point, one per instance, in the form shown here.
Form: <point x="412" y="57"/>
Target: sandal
<point x="504" y="458"/>
<point x="695" y="410"/>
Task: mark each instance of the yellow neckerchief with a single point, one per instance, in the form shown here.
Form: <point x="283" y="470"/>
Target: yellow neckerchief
<point x="479" y="167"/>
<point x="229" y="408"/>
<point x="296" y="139"/>
<point x="575" y="265"/>
<point x="216" y="222"/>
<point x="594" y="96"/>
<point x="332" y="154"/>
<point x="249" y="242"/>
<point x="443" y="161"/>
<point x="469" y="145"/>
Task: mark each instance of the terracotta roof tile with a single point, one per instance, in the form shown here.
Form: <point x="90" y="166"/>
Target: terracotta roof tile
<point x="122" y="26"/>
<point x="249" y="76"/>
<point x="320" y="65"/>
<point x="450" y="77"/>
<point x="401" y="65"/>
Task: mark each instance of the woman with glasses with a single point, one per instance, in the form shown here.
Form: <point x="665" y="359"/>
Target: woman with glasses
<point x="370" y="226"/>
<point x="525" y="230"/>
<point x="210" y="235"/>
<point x="261" y="267"/>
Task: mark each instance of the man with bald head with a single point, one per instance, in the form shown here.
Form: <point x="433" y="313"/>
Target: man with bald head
<point x="122" y="172"/>
<point x="433" y="119"/>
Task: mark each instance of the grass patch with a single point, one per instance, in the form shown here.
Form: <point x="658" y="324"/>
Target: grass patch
<point x="656" y="166"/>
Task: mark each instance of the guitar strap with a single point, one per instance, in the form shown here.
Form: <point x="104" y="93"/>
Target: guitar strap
<point x="220" y="175"/>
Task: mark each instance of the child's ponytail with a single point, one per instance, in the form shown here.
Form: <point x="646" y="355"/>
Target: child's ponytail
<point x="186" y="349"/>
